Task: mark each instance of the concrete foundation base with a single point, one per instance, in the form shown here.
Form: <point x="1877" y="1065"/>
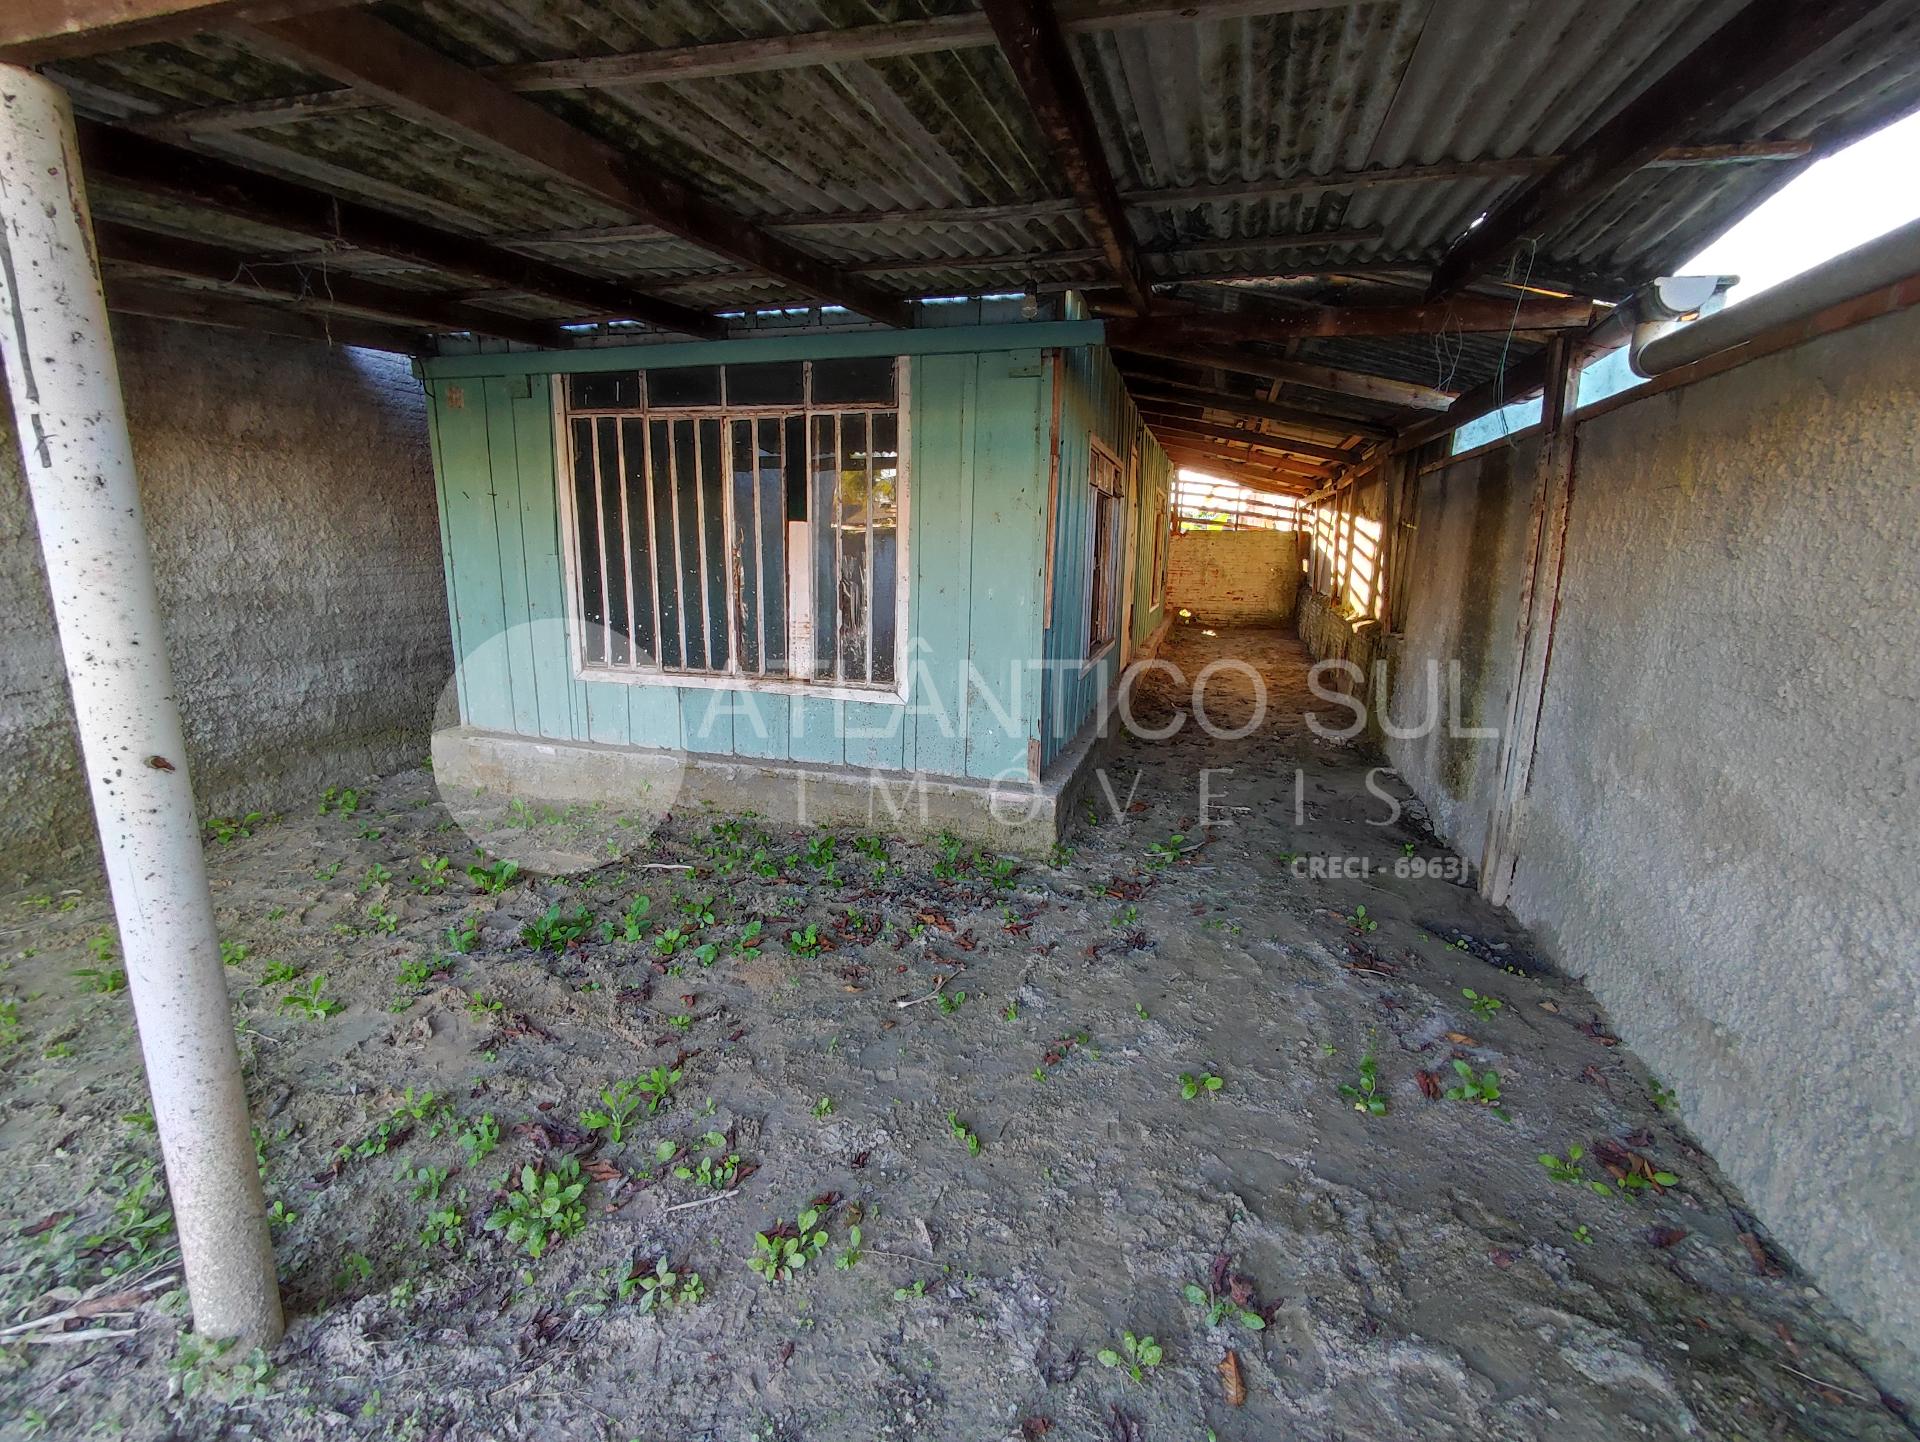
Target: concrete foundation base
<point x="1011" y="816"/>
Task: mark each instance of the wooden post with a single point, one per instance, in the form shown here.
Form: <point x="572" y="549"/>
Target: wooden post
<point x="1539" y="604"/>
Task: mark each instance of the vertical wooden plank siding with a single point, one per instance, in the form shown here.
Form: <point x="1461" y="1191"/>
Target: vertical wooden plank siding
<point x="1156" y="488"/>
<point x="447" y="554"/>
<point x="946" y="399"/>
<point x="761" y="726"/>
<point x="1007" y="574"/>
<point x="503" y="465"/>
<point x="1094" y="404"/>
<point x="977" y="496"/>
<point x="467" y="505"/>
<point x="706" y="718"/>
<point x="539" y="563"/>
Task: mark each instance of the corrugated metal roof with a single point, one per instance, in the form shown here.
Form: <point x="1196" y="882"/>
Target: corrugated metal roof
<point x="1203" y="102"/>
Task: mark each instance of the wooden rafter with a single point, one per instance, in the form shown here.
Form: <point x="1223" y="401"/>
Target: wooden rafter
<point x="33" y="32"/>
<point x="314" y="287"/>
<point x="1188" y="416"/>
<point x="1084" y="268"/>
<point x="764" y="53"/>
<point x="1764" y="41"/>
<point x="1252" y="455"/>
<point x="1144" y="337"/>
<point x="1251" y="477"/>
<point x="922" y="219"/>
<point x="1204" y="445"/>
<point x="129" y="295"/>
<point x="1506" y="168"/>
<point x="178" y="175"/>
<point x="1146" y="385"/>
<point x="360" y="50"/>
<point x="1036" y="50"/>
<point x="1461" y="315"/>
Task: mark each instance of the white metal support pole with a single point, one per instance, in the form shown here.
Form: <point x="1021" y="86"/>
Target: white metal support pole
<point x="78" y="462"/>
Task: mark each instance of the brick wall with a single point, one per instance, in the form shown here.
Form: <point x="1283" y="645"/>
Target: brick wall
<point x="1234" y="577"/>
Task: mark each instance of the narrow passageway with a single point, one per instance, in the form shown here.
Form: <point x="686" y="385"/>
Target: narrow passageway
<point x="1172" y="1082"/>
<point x="1439" y="1277"/>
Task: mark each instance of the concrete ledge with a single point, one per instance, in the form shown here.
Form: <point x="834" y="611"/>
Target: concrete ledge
<point x="1014" y="816"/>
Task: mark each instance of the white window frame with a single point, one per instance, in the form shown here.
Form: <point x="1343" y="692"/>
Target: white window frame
<point x="734" y="679"/>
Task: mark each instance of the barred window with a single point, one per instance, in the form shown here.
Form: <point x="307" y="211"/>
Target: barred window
<point x="739" y="522"/>
<point x="1107" y="516"/>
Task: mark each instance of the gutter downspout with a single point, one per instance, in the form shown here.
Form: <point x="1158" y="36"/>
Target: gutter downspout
<point x="1879" y="263"/>
<point x="78" y="462"/>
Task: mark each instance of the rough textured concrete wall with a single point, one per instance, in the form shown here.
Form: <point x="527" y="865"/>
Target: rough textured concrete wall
<point x="1329" y="634"/>
<point x="1457" y="638"/>
<point x="1720" y="830"/>
<point x="1234" y="577"/>
<point x="289" y="497"/>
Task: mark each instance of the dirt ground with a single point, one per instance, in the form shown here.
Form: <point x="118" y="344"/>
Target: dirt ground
<point x="844" y="1012"/>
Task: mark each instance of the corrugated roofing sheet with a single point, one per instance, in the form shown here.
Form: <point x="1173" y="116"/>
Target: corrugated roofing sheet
<point x="1313" y="90"/>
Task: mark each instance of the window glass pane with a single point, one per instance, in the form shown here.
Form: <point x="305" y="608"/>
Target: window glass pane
<point x="586" y="532"/>
<point x="609" y="390"/>
<point x="795" y="461"/>
<point x="633" y="441"/>
<point x="822" y="510"/>
<point x="686" y="521"/>
<point x="684" y="386"/>
<point x="850" y="604"/>
<point x="862" y="380"/>
<point x="886" y="543"/>
<point x="713" y="533"/>
<point x="777" y="383"/>
<point x="666" y="533"/>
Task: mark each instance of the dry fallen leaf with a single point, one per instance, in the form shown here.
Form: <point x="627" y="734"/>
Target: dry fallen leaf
<point x="1232" y="1379"/>
<point x="1460" y="1038"/>
<point x="1763" y="1261"/>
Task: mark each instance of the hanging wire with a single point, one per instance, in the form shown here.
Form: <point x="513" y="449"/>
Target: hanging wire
<point x="1506" y="342"/>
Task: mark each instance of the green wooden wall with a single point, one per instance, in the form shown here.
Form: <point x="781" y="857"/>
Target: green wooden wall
<point x="1093" y="403"/>
<point x="977" y="488"/>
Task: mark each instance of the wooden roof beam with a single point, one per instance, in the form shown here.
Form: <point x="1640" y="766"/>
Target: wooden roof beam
<point x="128" y="295"/>
<point x="1517" y="167"/>
<point x="1279" y="465"/>
<point x="152" y="167"/>
<point x="761" y="54"/>
<point x="1176" y="414"/>
<point x="33" y="32"/>
<point x="1145" y="336"/>
<point x="1202" y="445"/>
<point x="1147" y="386"/>
<point x="312" y="287"/>
<point x="1764" y="41"/>
<point x="1300" y="419"/>
<point x="1036" y="48"/>
<point x="1253" y="480"/>
<point x="362" y="51"/>
<point x="1457" y="316"/>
